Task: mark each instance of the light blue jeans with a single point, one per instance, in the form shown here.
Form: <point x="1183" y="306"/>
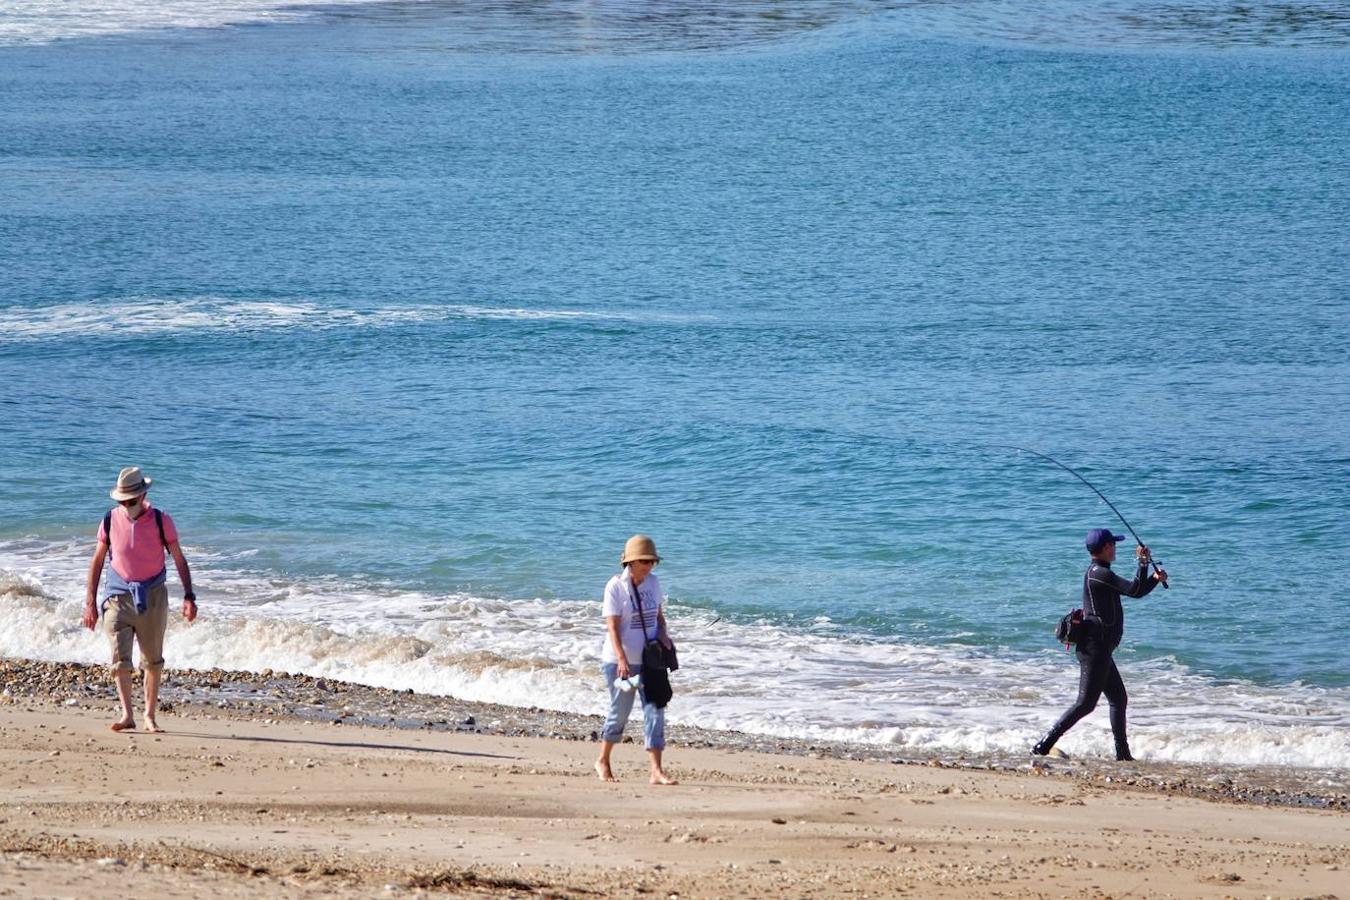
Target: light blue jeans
<point x="621" y="707"/>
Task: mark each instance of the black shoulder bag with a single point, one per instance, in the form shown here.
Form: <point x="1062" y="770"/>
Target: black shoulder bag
<point x="1069" y="631"/>
<point x="656" y="663"/>
<point x="1073" y="627"/>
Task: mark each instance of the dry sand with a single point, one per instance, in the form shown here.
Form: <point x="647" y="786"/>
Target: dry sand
<point x="232" y="807"/>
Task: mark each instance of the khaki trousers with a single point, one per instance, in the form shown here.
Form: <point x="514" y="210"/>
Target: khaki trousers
<point x="121" y="622"/>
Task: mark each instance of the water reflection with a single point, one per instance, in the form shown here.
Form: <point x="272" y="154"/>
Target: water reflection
<point x="610" y="26"/>
<point x="1113" y="23"/>
<point x="627" y="26"/>
<point x="637" y="26"/>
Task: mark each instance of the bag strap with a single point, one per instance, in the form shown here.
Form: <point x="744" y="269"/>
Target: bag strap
<point x="1090" y="605"/>
<point x="642" y="619"/>
<point x="1092" y="598"/>
<point x="159" y="520"/>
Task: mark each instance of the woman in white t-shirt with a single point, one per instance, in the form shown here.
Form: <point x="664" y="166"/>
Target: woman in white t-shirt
<point x="635" y="588"/>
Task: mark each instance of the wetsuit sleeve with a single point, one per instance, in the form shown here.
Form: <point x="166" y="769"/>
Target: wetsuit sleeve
<point x="1145" y="581"/>
<point x="1141" y="586"/>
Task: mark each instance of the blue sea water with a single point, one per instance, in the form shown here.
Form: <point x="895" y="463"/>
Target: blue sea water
<point x="415" y="311"/>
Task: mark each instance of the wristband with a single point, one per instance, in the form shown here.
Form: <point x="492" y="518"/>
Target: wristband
<point x="190" y="597"/>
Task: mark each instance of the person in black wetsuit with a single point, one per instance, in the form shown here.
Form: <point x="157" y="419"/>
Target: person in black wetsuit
<point x="1103" y="627"/>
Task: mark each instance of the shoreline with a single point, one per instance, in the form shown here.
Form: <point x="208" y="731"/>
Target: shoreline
<point x="909" y="698"/>
<point x="272" y="697"/>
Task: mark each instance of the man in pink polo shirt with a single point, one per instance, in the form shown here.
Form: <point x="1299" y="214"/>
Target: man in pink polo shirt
<point x="136" y="598"/>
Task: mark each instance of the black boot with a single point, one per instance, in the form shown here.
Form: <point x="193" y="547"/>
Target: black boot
<point x="1045" y="745"/>
<point x="1123" y="752"/>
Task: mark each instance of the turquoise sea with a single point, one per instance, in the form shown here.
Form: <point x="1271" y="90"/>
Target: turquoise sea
<point x="416" y="310"/>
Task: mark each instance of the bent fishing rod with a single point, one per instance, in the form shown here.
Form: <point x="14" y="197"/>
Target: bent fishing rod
<point x="1128" y="527"/>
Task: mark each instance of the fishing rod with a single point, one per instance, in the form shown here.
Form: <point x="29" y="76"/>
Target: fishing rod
<point x="1128" y="527"/>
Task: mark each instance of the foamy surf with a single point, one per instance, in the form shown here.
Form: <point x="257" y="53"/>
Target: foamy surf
<point x="43" y="21"/>
<point x="150" y="316"/>
<point x="811" y="681"/>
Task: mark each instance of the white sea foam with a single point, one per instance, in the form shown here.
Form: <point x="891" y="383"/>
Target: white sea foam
<point x="42" y="21"/>
<point x="141" y="316"/>
<point x="813" y="682"/>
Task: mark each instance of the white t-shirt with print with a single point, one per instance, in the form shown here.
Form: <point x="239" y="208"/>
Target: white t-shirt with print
<point x="619" y="602"/>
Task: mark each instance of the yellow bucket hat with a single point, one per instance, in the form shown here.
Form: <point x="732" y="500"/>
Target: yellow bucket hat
<point x="639" y="546"/>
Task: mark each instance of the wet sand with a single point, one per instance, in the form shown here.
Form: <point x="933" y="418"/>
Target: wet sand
<point x="271" y="799"/>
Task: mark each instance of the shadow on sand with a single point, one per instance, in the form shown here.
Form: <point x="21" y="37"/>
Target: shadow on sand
<point x="347" y="745"/>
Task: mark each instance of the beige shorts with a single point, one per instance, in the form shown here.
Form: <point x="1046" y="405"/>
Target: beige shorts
<point x="122" y="622"/>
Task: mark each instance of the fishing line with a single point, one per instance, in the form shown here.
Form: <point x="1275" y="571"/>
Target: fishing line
<point x="1128" y="527"/>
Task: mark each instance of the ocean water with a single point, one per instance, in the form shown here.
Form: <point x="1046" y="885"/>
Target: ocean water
<point x="415" y="311"/>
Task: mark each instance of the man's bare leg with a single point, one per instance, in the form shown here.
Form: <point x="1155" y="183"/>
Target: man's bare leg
<point x="602" y="766"/>
<point x="659" y="775"/>
<point x="152" y="678"/>
<point x="128" y="720"/>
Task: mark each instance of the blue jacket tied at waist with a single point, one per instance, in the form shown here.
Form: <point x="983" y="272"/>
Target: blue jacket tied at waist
<point x="139" y="590"/>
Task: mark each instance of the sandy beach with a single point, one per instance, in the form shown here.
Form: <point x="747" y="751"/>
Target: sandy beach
<point x="260" y="802"/>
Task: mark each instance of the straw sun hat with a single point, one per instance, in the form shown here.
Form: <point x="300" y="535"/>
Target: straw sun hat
<point x="639" y="546"/>
<point x="131" y="483"/>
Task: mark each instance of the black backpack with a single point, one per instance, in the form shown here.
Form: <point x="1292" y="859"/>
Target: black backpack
<point x="107" y="529"/>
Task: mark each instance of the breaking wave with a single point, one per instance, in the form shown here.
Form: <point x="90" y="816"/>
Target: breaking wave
<point x="814" y="681"/>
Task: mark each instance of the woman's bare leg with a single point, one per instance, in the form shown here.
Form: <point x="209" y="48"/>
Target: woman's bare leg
<point x="659" y="775"/>
<point x="602" y="766"/>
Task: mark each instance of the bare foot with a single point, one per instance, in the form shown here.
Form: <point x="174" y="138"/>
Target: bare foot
<point x="127" y="724"/>
<point x="604" y="771"/>
<point x="661" y="778"/>
<point x="152" y="727"/>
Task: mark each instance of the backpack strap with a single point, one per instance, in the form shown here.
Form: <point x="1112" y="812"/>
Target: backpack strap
<point x="159" y="520"/>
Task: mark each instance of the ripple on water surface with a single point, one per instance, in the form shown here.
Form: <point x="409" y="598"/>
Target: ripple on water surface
<point x="620" y="26"/>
